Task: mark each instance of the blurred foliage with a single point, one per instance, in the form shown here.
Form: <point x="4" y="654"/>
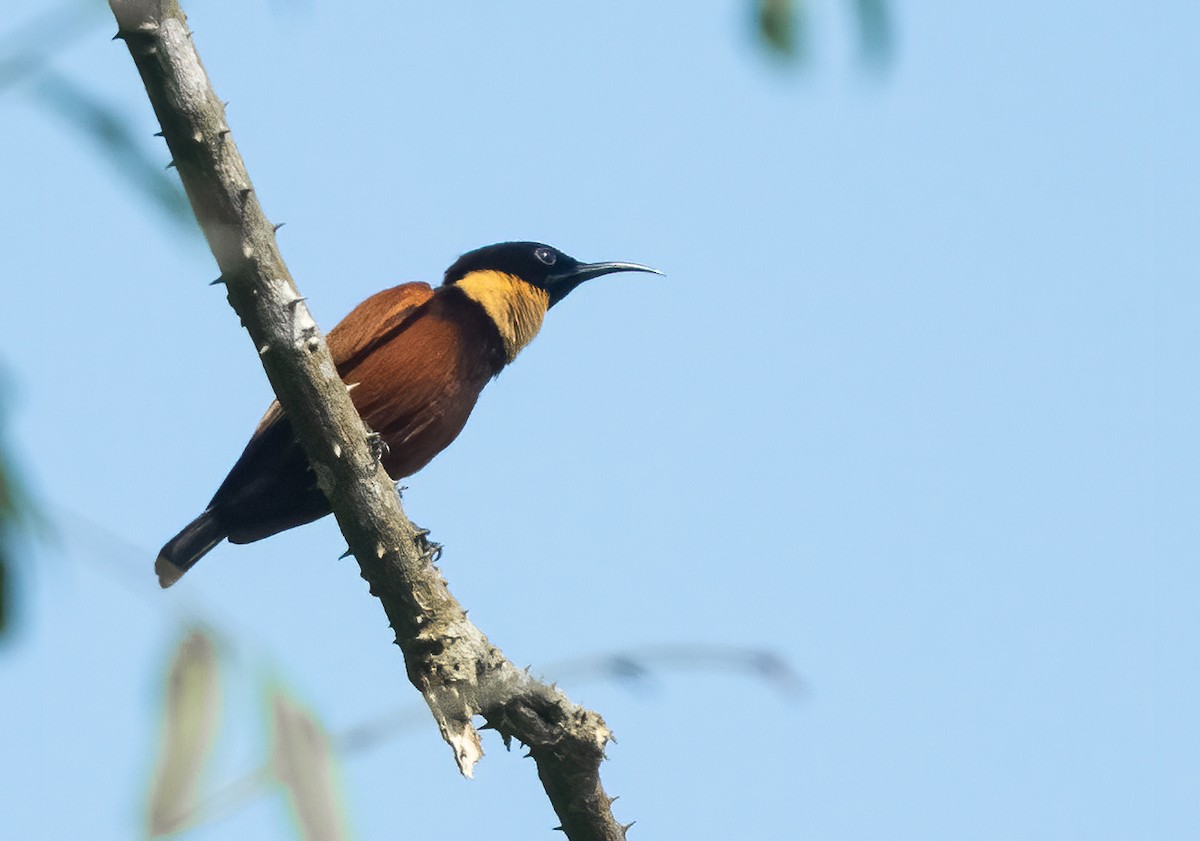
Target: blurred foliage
<point x="779" y="24"/>
<point x="301" y="758"/>
<point x="189" y="728"/>
<point x="16" y="515"/>
<point x="783" y="29"/>
<point x="303" y="763"/>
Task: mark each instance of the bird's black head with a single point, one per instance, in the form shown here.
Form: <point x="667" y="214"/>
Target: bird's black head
<point x="537" y="264"/>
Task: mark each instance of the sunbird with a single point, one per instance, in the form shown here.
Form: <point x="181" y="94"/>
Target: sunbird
<point x="416" y="359"/>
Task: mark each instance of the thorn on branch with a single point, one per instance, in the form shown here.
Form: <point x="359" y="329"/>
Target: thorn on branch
<point x="218" y="281"/>
<point x="146" y="27"/>
<point x="625" y="827"/>
<point x="275" y="228"/>
<point x="346" y="554"/>
<point x="158" y="134"/>
<point x="171" y="165"/>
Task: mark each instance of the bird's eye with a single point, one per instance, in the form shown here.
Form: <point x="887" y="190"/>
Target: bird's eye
<point x="545" y="255"/>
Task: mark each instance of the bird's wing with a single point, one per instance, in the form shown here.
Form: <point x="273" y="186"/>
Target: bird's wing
<point x="374" y="321"/>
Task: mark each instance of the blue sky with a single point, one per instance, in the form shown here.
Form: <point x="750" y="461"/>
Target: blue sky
<point x="914" y="407"/>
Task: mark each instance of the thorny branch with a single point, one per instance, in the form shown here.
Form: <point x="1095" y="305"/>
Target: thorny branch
<point x="458" y="671"/>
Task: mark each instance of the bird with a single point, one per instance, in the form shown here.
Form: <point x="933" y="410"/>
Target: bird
<point x="416" y="359"/>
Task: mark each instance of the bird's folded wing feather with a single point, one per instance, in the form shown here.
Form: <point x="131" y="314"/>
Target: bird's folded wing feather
<point x="371" y="323"/>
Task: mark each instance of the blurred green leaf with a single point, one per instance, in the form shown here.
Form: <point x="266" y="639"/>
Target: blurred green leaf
<point x="189" y="729"/>
<point x="302" y="761"/>
<point x="781" y="26"/>
<point x="31" y="44"/>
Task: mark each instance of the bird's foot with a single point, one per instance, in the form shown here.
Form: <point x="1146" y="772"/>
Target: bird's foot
<point x="429" y="550"/>
<point x="379" y="447"/>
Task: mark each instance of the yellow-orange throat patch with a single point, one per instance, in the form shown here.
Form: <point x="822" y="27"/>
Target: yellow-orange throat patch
<point x="516" y="306"/>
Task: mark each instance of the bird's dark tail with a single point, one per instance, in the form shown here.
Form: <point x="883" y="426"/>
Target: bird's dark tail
<point x="190" y="545"/>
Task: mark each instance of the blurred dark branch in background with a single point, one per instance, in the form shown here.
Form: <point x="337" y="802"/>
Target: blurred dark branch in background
<point x="26" y="55"/>
<point x="31" y="45"/>
<point x="110" y="135"/>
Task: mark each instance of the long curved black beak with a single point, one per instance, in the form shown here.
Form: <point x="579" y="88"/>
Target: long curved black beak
<point x="560" y="284"/>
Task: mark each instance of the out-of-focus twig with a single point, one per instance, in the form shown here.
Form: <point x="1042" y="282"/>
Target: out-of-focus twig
<point x="111" y="134"/>
<point x="31" y="45"/>
<point x="26" y="56"/>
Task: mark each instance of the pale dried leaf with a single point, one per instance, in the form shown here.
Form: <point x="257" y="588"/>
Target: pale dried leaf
<point x="189" y="727"/>
<point x="302" y="761"/>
